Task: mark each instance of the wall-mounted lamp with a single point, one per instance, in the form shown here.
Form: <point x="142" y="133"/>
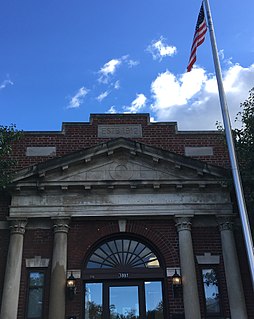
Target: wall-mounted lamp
<point x="71" y="286"/>
<point x="176" y="283"/>
<point x="176" y="279"/>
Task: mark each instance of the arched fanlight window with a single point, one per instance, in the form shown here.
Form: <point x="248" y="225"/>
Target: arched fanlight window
<point x="122" y="253"/>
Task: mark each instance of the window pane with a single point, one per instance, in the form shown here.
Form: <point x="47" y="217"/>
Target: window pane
<point x="211" y="291"/>
<point x="36" y="279"/>
<point x="35" y="295"/>
<point x="123" y="253"/>
<point x="93" y="301"/>
<point x="154" y="303"/>
<point x="123" y="302"/>
<point x="35" y="303"/>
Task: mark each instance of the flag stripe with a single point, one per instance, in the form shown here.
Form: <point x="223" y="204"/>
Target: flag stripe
<point x="199" y="37"/>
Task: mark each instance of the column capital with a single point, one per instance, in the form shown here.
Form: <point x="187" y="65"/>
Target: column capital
<point x="183" y="223"/>
<point x="18" y="226"/>
<point x="61" y="225"/>
<point x="225" y="223"/>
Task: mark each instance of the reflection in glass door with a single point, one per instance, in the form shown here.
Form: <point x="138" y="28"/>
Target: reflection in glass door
<point x="93" y="301"/>
<point x="132" y="300"/>
<point x="153" y="298"/>
<point x="123" y="302"/>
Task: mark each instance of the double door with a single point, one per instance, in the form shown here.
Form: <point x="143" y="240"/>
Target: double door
<point x="124" y="300"/>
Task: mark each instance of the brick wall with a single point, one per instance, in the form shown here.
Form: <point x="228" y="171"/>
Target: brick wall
<point x="84" y="235"/>
<point x="76" y="136"/>
<point x="208" y="240"/>
<point x="245" y="273"/>
<point x="4" y="240"/>
<point x="161" y="235"/>
<point x="4" y="236"/>
<point x="5" y="200"/>
<point x="36" y="243"/>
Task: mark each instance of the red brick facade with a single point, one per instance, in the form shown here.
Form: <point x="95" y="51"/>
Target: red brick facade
<point x="84" y="234"/>
<point x="77" y="136"/>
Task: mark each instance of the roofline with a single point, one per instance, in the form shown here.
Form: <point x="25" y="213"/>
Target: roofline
<point x="93" y="116"/>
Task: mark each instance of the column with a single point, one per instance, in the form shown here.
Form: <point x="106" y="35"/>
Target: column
<point x="10" y="296"/>
<point x="232" y="270"/>
<point x="58" y="270"/>
<point x="188" y="271"/>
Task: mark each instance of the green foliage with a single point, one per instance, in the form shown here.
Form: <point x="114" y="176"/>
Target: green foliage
<point x="94" y="310"/>
<point x="244" y="141"/>
<point x="8" y="135"/>
<point x="244" y="145"/>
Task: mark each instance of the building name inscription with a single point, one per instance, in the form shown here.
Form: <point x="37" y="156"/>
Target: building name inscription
<point x="120" y="130"/>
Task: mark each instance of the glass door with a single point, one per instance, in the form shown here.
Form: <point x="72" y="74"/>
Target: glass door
<point x="124" y="300"/>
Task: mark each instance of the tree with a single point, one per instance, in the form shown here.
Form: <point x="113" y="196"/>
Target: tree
<point x="8" y="135"/>
<point x="244" y="143"/>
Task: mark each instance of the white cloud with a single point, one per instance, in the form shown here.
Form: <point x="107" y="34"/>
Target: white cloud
<point x="169" y="91"/>
<point x="159" y="49"/>
<point x="78" y="98"/>
<point x="5" y="83"/>
<point x="192" y="98"/>
<point x="112" y="110"/>
<point x="102" y="96"/>
<point x="109" y="69"/>
<point x="137" y="104"/>
<point x="117" y="85"/>
<point x="132" y="63"/>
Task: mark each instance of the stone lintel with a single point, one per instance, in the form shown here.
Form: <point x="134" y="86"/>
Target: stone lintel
<point x="76" y="273"/>
<point x="207" y="258"/>
<point x="37" y="262"/>
<point x="171" y="271"/>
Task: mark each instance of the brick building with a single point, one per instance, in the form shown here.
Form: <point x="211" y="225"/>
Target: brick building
<point x="124" y="207"/>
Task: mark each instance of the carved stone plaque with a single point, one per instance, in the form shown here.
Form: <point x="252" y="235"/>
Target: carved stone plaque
<point x="120" y="130"/>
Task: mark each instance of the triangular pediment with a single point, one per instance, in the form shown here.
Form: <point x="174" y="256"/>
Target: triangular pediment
<point x="119" y="161"/>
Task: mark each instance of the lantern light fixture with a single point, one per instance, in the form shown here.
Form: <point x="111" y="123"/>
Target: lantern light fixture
<point x="176" y="284"/>
<point x="71" y="286"/>
<point x="176" y="279"/>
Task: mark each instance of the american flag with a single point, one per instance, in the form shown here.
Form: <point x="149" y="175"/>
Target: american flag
<point x="199" y="37"/>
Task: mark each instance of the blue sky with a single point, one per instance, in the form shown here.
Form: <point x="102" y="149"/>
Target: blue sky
<point x="62" y="60"/>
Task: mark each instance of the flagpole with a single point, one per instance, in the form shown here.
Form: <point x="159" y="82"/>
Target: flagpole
<point x="231" y="148"/>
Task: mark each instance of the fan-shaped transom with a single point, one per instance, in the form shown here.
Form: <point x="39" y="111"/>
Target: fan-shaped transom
<point x="122" y="253"/>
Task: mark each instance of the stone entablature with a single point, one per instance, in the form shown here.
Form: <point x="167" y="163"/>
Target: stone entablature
<point x="98" y="203"/>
